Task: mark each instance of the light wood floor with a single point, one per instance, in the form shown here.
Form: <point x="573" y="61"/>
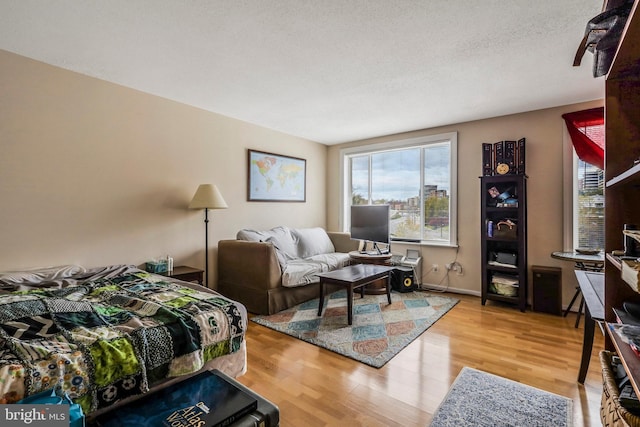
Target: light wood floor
<point x="316" y="387"/>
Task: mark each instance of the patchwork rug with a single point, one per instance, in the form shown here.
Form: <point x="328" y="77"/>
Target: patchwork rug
<point x="379" y="330"/>
<point x="479" y="399"/>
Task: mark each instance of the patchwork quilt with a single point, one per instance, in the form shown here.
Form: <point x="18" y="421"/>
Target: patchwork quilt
<point x="111" y="338"/>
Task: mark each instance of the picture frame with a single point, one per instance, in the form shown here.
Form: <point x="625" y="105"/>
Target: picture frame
<point x="275" y="177"/>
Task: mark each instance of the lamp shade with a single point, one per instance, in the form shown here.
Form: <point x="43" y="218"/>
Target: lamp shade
<point x="207" y="197"/>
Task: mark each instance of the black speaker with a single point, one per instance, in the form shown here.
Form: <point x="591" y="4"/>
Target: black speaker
<point x="402" y="280"/>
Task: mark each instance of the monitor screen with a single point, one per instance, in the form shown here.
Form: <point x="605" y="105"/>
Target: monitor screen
<point x="370" y="223"/>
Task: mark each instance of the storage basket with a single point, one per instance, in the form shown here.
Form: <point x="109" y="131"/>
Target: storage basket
<point x="503" y="289"/>
<point x="611" y="412"/>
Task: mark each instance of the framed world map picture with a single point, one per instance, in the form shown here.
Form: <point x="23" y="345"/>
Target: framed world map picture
<point x="276" y="178"/>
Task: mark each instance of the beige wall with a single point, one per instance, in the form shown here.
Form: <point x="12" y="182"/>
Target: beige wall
<point x="543" y="131"/>
<point x="95" y="173"/>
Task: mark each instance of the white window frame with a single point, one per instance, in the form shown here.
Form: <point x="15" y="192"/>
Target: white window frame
<point x="570" y="195"/>
<point x="451" y="137"/>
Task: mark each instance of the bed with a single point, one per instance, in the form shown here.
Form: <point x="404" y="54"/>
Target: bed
<point x="109" y="334"/>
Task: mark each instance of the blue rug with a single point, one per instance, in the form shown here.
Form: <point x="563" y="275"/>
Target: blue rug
<point x="379" y="330"/>
<point x="481" y="399"/>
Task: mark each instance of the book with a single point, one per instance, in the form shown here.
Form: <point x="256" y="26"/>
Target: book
<point x="207" y="399"/>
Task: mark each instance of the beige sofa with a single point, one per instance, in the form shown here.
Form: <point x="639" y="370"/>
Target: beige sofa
<point x="269" y="271"/>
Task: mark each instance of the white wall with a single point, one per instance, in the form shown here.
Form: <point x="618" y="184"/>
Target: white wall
<point x="95" y="173"/>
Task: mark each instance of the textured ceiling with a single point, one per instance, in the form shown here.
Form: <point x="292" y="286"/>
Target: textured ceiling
<point x="326" y="70"/>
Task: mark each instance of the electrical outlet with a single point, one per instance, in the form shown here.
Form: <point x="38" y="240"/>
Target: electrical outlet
<point x="455" y="266"/>
<point x="434" y="267"/>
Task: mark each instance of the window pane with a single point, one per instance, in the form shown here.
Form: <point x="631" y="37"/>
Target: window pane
<point x="590" y="206"/>
<point x="404" y="177"/>
<point x="395" y="179"/>
<point x="436" y="192"/>
<point x="360" y="180"/>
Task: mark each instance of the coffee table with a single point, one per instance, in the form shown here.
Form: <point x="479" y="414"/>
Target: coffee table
<point x="354" y="277"/>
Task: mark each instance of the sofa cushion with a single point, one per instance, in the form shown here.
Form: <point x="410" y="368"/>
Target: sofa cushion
<point x="312" y="241"/>
<point x="281" y="238"/>
<point x="301" y="272"/>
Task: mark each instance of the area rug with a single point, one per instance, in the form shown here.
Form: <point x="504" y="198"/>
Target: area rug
<point x="379" y="330"/>
<point x="479" y="399"/>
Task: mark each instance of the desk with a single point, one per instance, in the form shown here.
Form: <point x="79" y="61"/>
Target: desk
<point x="591" y="285"/>
<point x="583" y="262"/>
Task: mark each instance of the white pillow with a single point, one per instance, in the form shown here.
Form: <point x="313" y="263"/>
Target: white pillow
<point x="312" y="241"/>
<point x="250" y="235"/>
<point x="40" y="275"/>
<point x="281" y="239"/>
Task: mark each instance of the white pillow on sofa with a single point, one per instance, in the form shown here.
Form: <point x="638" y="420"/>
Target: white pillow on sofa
<point x="312" y="241"/>
<point x="281" y="238"/>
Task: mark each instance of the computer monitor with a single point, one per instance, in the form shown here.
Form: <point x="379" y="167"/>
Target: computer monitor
<point x="370" y="223"/>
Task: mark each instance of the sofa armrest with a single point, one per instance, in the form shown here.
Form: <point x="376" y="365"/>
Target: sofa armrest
<point x="252" y="265"/>
<point x="342" y="241"/>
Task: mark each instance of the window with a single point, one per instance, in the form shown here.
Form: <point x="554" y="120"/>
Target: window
<point x="584" y="179"/>
<point x="589" y="206"/>
<point x="416" y="177"/>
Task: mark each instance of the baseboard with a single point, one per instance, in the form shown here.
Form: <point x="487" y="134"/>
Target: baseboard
<point x="438" y="288"/>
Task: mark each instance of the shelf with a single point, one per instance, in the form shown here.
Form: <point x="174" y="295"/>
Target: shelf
<point x="631" y="174"/>
<point x="629" y="359"/>
<point x="615" y="261"/>
<point x="502" y="298"/>
<point x="501" y="239"/>
<point x="512" y="241"/>
<point x="626" y="65"/>
<point x="622" y="147"/>
<point x="502" y="269"/>
<point x="494" y="209"/>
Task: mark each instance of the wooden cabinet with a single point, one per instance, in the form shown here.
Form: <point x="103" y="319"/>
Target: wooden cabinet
<point x="504" y="239"/>
<point x="622" y="175"/>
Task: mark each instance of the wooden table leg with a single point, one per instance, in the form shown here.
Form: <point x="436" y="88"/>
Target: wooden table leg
<point x="350" y="304"/>
<point x="587" y="344"/>
<point x="321" y="301"/>
<point x="389" y="288"/>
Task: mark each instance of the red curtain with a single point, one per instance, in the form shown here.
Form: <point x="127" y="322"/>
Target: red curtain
<point x="586" y="128"/>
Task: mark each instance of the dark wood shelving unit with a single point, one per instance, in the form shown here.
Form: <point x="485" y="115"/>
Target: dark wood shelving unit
<point x="622" y="179"/>
<point x="515" y="184"/>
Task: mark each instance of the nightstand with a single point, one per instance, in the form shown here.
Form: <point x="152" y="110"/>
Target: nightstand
<point x="188" y="274"/>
